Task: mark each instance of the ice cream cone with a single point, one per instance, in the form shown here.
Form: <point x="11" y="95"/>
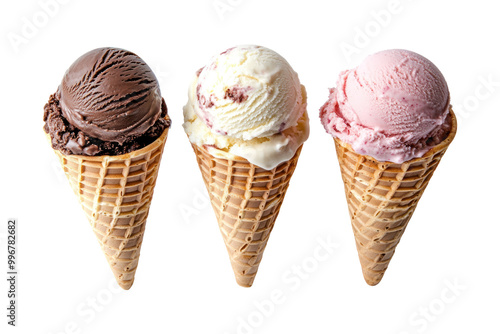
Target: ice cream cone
<point x="382" y="197"/>
<point x="115" y="192"/>
<point x="246" y="200"/>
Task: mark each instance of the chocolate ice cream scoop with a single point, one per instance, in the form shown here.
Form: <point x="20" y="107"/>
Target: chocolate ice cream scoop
<point x="110" y="94"/>
<point x="108" y="103"/>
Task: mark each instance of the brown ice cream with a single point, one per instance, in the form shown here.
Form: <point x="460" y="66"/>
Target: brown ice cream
<point x="108" y="103"/>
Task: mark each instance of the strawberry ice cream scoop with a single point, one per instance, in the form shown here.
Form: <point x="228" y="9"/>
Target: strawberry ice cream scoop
<point x="394" y="106"/>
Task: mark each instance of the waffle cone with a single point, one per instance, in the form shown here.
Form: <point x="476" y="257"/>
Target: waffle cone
<point x="246" y="200"/>
<point x="115" y="193"/>
<point x="381" y="197"/>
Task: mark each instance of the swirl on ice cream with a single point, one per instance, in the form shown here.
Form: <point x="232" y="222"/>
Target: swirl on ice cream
<point x="108" y="103"/>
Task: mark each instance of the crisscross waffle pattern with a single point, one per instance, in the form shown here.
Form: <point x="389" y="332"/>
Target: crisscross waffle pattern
<point x="116" y="192"/>
<point x="246" y="200"/>
<point x="381" y="197"/>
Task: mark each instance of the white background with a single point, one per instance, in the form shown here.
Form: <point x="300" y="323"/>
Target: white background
<point x="184" y="283"/>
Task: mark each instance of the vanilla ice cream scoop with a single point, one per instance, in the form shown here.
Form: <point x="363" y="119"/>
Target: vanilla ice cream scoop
<point x="248" y="102"/>
<point x="248" y="92"/>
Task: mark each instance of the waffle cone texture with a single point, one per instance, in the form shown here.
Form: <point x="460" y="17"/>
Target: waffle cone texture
<point x="246" y="200"/>
<point x="381" y="197"/>
<point x="115" y="193"/>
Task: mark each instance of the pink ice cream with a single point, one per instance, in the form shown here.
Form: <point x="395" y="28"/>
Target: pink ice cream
<point x="393" y="107"/>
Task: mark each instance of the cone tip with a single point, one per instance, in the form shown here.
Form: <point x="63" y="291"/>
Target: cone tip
<point x="372" y="279"/>
<point x="125" y="285"/>
<point x="244" y="281"/>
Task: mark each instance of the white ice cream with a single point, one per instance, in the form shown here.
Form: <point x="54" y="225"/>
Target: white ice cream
<point x="248" y="102"/>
